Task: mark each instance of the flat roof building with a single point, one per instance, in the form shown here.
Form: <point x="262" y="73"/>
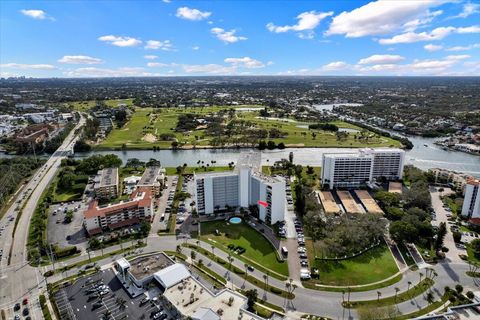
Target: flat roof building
<point x="242" y="187"/>
<point x="153" y="177"/>
<point x="471" y="201"/>
<point x="106" y="183"/>
<point x="352" y="170"/>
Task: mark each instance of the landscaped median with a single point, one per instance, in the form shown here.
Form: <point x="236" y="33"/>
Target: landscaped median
<point x="361" y="288"/>
<point x="262" y="284"/>
<point x="398" y="298"/>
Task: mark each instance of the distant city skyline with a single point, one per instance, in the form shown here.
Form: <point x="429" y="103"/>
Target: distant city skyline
<point x="182" y="38"/>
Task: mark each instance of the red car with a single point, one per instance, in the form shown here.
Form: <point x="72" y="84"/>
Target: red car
<point x="25" y="301"/>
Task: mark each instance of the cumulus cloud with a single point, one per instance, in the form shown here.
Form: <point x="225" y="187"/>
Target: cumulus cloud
<point x="307" y="22"/>
<point x="245" y="62"/>
<point x="382" y="59"/>
<point x="150" y="57"/>
<point x="159" y="45"/>
<point x="157" y="65"/>
<point x="105" y="72"/>
<point x="208" y="68"/>
<point x="28" y="66"/>
<point x="192" y="14"/>
<point x="80" y="60"/>
<point x="334" y="66"/>
<point x="227" y="36"/>
<point x="120" y="41"/>
<point x="36" y="14"/>
<point x="469" y="8"/>
<point x="436" y="34"/>
<point x="464" y="48"/>
<point x="381" y="17"/>
<point x="432" y="47"/>
<point x="195" y="48"/>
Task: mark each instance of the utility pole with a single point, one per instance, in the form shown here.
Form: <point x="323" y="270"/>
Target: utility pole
<point x="51" y="257"/>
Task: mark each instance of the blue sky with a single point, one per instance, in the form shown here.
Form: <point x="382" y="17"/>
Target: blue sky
<point x="168" y="38"/>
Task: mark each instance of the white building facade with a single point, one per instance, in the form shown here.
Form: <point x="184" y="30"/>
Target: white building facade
<point x="352" y="170"/>
<point x="471" y="201"/>
<point x="241" y="188"/>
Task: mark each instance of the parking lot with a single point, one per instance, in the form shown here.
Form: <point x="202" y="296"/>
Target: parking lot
<point x="70" y="233"/>
<point x="102" y="294"/>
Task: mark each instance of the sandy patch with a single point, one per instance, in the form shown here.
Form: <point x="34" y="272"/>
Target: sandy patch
<point x="149" y="138"/>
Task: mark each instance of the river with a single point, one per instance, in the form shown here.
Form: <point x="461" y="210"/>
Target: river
<point x="425" y="155"/>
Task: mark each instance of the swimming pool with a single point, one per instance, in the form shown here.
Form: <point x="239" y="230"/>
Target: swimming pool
<point x="235" y="220"/>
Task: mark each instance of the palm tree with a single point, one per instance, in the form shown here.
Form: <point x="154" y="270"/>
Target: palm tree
<point x="179" y="248"/>
<point x="198" y="243"/>
<point x="213" y="248"/>
<point x="421" y="275"/>
<point x="396" y="293"/>
<point x="246" y="270"/>
<point x="430" y="297"/>
<point x="378" y="295"/>
<point x="265" y="279"/>
<point x="434" y="275"/>
<point x="409" y="284"/>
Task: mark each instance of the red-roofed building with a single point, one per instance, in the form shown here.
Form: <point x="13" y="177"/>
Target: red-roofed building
<point x="113" y="216"/>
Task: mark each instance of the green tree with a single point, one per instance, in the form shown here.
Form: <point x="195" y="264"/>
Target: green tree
<point x="252" y="296"/>
<point x="442" y="231"/>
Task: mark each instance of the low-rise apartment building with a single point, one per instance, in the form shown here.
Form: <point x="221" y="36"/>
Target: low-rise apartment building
<point x="113" y="216"/>
<point x="106" y="183"/>
<point x="154" y="178"/>
<point x="352" y="170"/>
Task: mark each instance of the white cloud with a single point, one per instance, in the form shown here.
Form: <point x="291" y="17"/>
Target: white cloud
<point x="469" y="8"/>
<point x="334" y="66"/>
<point x="150" y="57"/>
<point x="166" y="1"/>
<point x="120" y="41"/>
<point x="28" y="66"/>
<point x="457" y="57"/>
<point x="195" y="48"/>
<point x="157" y="65"/>
<point x="245" y="62"/>
<point x="36" y="14"/>
<point x="432" y="47"/>
<point x="208" y="68"/>
<point x="227" y="36"/>
<point x="464" y="48"/>
<point x="381" y="17"/>
<point x="162" y="45"/>
<point x="104" y="72"/>
<point x="436" y="34"/>
<point x="192" y="14"/>
<point x="80" y="60"/>
<point x="382" y="59"/>
<point x="307" y="22"/>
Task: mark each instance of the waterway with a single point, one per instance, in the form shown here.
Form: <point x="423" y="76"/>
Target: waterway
<point x="425" y="155"/>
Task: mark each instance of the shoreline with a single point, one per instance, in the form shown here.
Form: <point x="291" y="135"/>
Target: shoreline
<point x="133" y="148"/>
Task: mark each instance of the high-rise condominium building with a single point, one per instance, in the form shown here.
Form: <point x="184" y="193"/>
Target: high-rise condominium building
<point x="471" y="201"/>
<point x="352" y="170"/>
<point x="242" y="187"/>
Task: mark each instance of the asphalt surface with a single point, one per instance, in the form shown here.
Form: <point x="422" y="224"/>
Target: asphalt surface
<point x="17" y="278"/>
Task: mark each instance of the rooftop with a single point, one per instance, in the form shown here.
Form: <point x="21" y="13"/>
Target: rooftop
<point x="145" y="266"/>
<point x="150" y="176"/>
<point x="172" y="275"/>
<point x="108" y="177"/>
<point x="190" y="297"/>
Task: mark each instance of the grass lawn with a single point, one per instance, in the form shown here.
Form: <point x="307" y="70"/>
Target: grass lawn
<point x="147" y="123"/>
<point x="372" y="266"/>
<point x="190" y="170"/>
<point x="258" y="249"/>
<point x="86" y="105"/>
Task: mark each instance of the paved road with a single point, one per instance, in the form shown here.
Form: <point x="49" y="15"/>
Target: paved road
<point x="17" y="278"/>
